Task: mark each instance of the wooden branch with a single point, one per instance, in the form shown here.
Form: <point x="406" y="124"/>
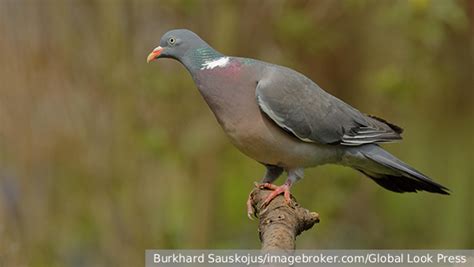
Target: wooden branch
<point x="280" y="223"/>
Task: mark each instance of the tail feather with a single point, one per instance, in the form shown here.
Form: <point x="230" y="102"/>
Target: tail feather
<point x="393" y="174"/>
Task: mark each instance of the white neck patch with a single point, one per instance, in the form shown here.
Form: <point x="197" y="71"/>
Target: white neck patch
<point x="220" y="62"/>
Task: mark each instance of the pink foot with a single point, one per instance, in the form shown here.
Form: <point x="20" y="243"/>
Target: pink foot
<point x="251" y="213"/>
<point x="267" y="186"/>
<point x="285" y="189"/>
<point x="250" y="210"/>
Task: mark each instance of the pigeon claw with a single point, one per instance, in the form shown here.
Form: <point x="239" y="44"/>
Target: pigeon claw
<point x="251" y="213"/>
<point x="268" y="186"/>
<point x="277" y="190"/>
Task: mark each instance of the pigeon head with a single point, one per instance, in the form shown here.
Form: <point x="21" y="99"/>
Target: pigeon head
<point x="184" y="46"/>
<point x="176" y="44"/>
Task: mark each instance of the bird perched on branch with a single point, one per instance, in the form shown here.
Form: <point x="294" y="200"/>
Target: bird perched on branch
<point x="282" y="119"/>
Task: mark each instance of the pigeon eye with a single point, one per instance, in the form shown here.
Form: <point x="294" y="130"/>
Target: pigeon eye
<point x="171" y="41"/>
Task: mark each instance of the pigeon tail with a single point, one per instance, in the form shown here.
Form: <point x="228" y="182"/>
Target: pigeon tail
<point x="389" y="172"/>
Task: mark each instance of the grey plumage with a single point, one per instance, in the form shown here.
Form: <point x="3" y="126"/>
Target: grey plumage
<point x="300" y="106"/>
<point x="388" y="171"/>
<point x="284" y="120"/>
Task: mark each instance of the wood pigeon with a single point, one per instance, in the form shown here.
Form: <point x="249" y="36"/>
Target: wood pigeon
<point x="285" y="121"/>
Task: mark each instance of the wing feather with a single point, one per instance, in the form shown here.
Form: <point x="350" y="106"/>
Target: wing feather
<point x="301" y="107"/>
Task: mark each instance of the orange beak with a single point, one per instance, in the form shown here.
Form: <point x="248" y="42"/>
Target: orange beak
<point x="154" y="54"/>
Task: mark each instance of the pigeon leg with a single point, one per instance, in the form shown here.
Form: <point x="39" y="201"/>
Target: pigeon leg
<point x="285" y="189"/>
<point x="272" y="173"/>
<point x="293" y="176"/>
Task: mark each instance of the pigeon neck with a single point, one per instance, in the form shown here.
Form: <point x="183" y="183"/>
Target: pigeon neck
<point x="196" y="59"/>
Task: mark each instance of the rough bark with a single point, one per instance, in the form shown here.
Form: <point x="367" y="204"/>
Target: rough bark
<point x="280" y="222"/>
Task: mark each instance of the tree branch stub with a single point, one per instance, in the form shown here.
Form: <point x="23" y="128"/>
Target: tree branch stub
<point x="280" y="222"/>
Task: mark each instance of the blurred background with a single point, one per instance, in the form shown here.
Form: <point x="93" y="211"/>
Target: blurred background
<point x="103" y="156"/>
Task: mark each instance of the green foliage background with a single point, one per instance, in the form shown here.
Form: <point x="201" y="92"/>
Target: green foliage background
<point x="103" y="155"/>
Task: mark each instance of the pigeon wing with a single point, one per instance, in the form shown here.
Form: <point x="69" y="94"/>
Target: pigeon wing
<point x="301" y="107"/>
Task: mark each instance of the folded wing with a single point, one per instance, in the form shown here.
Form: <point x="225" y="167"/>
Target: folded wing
<point x="301" y="107"/>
